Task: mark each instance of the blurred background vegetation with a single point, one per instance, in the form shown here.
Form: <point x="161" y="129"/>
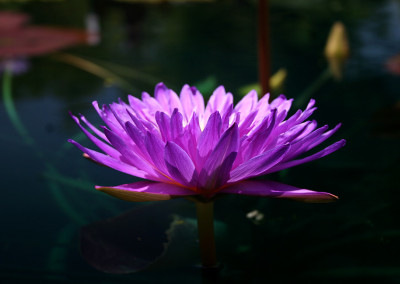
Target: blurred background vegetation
<point x="50" y="208"/>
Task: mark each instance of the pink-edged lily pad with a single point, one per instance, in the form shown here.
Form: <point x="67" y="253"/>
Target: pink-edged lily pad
<point x="35" y="40"/>
<point x="12" y="20"/>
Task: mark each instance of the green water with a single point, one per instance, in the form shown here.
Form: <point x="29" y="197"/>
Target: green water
<point x="47" y="187"/>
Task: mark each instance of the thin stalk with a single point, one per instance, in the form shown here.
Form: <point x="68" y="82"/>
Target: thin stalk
<point x="205" y="223"/>
<point x="29" y="141"/>
<point x="264" y="58"/>
<point x="93" y="68"/>
<point x="306" y="95"/>
<point x="128" y="72"/>
<point x="11" y="110"/>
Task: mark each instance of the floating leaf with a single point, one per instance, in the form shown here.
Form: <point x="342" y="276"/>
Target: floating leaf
<point x="137" y="239"/>
<point x="31" y="41"/>
<point x="12" y="20"/>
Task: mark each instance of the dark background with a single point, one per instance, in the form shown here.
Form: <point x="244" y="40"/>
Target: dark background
<point x="47" y="192"/>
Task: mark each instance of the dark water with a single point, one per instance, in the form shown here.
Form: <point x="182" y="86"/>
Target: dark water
<point x="47" y="187"/>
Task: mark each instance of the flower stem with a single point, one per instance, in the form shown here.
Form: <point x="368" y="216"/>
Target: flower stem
<point x="11" y="110"/>
<point x="264" y="60"/>
<point x="205" y="223"/>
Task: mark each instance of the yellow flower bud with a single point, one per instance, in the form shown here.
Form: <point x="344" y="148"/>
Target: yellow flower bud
<point x="337" y="49"/>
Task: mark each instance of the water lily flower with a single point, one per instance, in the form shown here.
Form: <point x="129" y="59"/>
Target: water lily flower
<point x="184" y="148"/>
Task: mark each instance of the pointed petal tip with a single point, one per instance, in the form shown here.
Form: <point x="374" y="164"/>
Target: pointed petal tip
<point x="273" y="189"/>
<point x="339" y="144"/>
<point x="334" y="197"/>
<point x="132" y="196"/>
<point x="145" y="191"/>
<point x="220" y="88"/>
<point x="160" y="86"/>
<point x="87" y="157"/>
<point x="317" y="197"/>
<point x="309" y="196"/>
<point x="311" y="103"/>
<point x="73" y="142"/>
<point x="74" y="117"/>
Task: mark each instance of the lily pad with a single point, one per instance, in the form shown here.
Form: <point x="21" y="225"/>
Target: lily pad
<point x="139" y="238"/>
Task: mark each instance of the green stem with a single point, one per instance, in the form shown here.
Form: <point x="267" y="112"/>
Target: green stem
<point x="264" y="60"/>
<point x="205" y="223"/>
<point x="23" y="132"/>
<point x="93" y="68"/>
<point x="10" y="108"/>
<point x="306" y="95"/>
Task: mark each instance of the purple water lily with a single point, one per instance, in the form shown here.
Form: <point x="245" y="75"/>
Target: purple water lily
<point x="183" y="147"/>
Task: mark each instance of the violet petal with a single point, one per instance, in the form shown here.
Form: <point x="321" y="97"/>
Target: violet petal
<point x="278" y="190"/>
<point x="128" y="153"/>
<point x="167" y="98"/>
<point x="155" y="149"/>
<point x="209" y="137"/>
<point x="328" y="150"/>
<point x="103" y="146"/>
<point x="192" y="101"/>
<point x="146" y="191"/>
<point x="216" y="169"/>
<point x="179" y="164"/>
<point x="259" y="164"/>
<point x="114" y="163"/>
<point x="247" y="104"/>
